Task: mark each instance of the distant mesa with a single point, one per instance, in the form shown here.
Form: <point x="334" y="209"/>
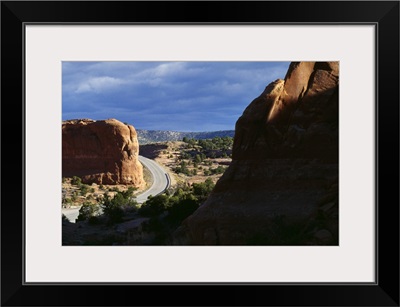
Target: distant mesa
<point x="282" y="185"/>
<point x="155" y="136"/>
<point x="102" y="151"/>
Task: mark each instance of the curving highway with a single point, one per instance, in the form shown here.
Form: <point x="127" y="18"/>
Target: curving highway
<point x="161" y="179"/>
<point x="161" y="182"/>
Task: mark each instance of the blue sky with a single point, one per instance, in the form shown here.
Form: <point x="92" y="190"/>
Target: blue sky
<point x="178" y="96"/>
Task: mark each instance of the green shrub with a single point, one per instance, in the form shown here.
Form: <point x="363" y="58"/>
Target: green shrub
<point x="76" y="181"/>
<point x="181" y="207"/>
<point x="180" y="204"/>
<point x="182" y="168"/>
<point x="219" y="170"/>
<point x="74" y="196"/>
<point x="84" y="189"/>
<point x="154" y="205"/>
<point x="129" y="192"/>
<point x="203" y="189"/>
<point x="67" y="201"/>
<point x="112" y="209"/>
<point x="115" y="208"/>
<point x="87" y="210"/>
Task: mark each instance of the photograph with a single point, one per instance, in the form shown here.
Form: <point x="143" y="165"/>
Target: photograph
<point x="248" y="151"/>
<point x="200" y="153"/>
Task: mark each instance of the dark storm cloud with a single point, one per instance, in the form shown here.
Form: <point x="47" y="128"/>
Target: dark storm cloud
<point x="183" y="96"/>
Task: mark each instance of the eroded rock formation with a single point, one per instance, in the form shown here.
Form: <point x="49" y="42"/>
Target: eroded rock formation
<point x="103" y="151"/>
<point x="282" y="185"/>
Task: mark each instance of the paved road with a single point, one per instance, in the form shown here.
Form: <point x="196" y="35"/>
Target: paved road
<point x="161" y="179"/>
<point x="71" y="213"/>
<point x="161" y="182"/>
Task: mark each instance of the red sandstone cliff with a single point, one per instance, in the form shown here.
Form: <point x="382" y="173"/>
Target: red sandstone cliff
<point x="282" y="185"/>
<point x="104" y="152"/>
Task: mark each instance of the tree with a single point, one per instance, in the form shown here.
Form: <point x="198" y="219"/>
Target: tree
<point x="112" y="208"/>
<point x="87" y="210"/>
<point x="203" y="189"/>
<point x="116" y="207"/>
<point x="154" y="205"/>
<point x="182" y="207"/>
<point x="129" y="192"/>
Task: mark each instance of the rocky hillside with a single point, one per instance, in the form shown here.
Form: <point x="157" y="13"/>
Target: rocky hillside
<point x="282" y="185"/>
<point x="154" y="136"/>
<point x="103" y="152"/>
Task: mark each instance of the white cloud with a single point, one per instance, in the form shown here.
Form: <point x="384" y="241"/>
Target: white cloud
<point x="105" y="76"/>
<point x="99" y="84"/>
<point x="168" y="69"/>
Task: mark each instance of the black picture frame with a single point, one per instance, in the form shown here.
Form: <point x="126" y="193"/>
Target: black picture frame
<point x="383" y="14"/>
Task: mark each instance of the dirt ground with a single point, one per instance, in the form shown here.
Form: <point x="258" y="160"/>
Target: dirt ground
<point x="168" y="155"/>
<point x="73" y="197"/>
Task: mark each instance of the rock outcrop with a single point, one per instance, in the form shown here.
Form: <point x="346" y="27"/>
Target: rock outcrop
<point x="282" y="185"/>
<point x="103" y="151"/>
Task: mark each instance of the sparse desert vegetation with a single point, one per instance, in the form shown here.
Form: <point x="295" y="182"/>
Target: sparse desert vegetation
<point x="191" y="160"/>
<point x="109" y="214"/>
<point x="75" y="193"/>
<point x="120" y="220"/>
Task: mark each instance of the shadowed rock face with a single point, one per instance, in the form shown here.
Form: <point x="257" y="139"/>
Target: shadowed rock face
<point x="282" y="185"/>
<point x="104" y="152"/>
